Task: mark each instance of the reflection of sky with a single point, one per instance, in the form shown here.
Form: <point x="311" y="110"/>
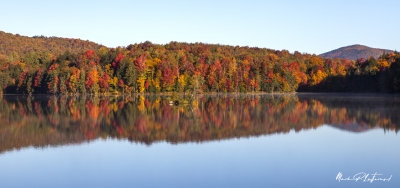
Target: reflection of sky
<point x="304" y="159"/>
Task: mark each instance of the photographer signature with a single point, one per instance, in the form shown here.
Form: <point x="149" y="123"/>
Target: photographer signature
<point x="363" y="177"/>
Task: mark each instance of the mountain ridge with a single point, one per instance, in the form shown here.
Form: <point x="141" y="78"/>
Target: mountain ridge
<point x="21" y="45"/>
<point x="354" y="52"/>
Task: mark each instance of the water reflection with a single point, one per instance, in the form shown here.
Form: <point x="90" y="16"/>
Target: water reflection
<point x="50" y="120"/>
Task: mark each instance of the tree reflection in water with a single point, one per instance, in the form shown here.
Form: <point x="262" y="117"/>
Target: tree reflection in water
<point x="57" y="120"/>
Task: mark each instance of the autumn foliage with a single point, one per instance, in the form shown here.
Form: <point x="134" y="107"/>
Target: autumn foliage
<point x="55" y="120"/>
<point x="199" y="67"/>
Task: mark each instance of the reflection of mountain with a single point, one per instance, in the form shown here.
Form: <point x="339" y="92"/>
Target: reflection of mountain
<point x="354" y="127"/>
<point x="42" y="121"/>
<point x="10" y="141"/>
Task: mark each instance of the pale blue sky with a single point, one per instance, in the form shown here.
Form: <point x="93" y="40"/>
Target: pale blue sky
<point x="306" y="26"/>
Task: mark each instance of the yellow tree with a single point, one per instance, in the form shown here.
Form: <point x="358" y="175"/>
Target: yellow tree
<point x="141" y="80"/>
<point x="73" y="80"/>
<point x="92" y="80"/>
<point x="317" y="77"/>
<point x="316" y="61"/>
<point x="383" y="64"/>
<point x="181" y="82"/>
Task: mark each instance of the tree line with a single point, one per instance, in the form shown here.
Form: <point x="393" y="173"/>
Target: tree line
<point x="198" y="67"/>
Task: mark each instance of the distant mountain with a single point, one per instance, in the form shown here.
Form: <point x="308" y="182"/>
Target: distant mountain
<point x="355" y="52"/>
<point x="21" y="45"/>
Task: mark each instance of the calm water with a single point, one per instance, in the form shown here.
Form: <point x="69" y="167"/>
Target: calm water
<point x="291" y="140"/>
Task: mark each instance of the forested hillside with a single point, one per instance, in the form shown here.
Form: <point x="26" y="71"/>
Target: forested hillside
<point x="180" y="67"/>
<point x="17" y="46"/>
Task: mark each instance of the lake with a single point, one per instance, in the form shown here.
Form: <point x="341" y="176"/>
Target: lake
<point x="229" y="140"/>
